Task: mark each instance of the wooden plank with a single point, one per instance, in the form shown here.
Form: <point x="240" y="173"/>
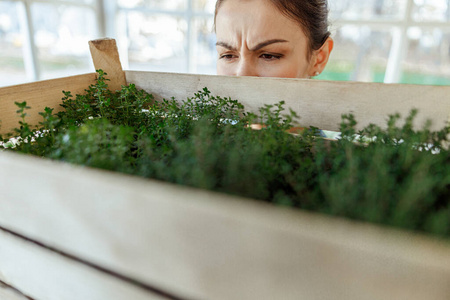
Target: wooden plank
<point x="319" y="103"/>
<point x="38" y="95"/>
<point x="205" y="245"/>
<point x="105" y="56"/>
<point x="7" y="293"/>
<point x="42" y="274"/>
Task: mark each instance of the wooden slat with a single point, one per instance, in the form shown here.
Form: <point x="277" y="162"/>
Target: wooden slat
<point x="205" y="245"/>
<point x="38" y="95"/>
<point x="7" y="293"/>
<point x="319" y="103"/>
<point x="105" y="56"/>
<point x="42" y="274"/>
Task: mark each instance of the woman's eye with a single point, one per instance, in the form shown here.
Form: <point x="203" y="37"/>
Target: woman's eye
<point x="227" y="56"/>
<point x="270" y="56"/>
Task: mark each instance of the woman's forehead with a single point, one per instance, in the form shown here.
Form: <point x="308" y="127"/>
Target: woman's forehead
<point x="255" y="19"/>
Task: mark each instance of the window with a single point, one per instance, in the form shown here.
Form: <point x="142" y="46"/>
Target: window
<point x="41" y="40"/>
<point x="406" y="41"/>
<point x="169" y="36"/>
<point x="12" y="63"/>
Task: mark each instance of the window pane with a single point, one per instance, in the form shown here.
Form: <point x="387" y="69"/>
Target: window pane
<point x="156" y="42"/>
<point x="428" y="58"/>
<point x="154" y="4"/>
<point x="89" y="2"/>
<point x="12" y="69"/>
<point x="204" y="52"/>
<point x="361" y="54"/>
<point x="367" y="9"/>
<point x="431" y="10"/>
<point x="61" y="35"/>
<point x="204" y="5"/>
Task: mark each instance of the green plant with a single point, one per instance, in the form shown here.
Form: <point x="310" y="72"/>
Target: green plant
<point x="397" y="175"/>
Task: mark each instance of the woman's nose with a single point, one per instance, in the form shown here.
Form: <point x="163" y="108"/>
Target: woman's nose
<point x="246" y="68"/>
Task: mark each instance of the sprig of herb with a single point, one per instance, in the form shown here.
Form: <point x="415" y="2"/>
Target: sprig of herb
<point x="396" y="175"/>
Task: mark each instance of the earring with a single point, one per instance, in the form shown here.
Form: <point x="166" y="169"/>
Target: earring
<point x="317" y="73"/>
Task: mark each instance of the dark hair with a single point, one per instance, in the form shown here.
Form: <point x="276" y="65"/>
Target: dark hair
<point x="312" y="16"/>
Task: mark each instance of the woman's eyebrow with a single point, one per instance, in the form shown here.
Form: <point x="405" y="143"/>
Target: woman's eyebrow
<point x="256" y="48"/>
<point x="225" y="45"/>
<point x="267" y="43"/>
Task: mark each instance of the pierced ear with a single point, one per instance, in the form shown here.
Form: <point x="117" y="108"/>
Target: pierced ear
<point x="321" y="56"/>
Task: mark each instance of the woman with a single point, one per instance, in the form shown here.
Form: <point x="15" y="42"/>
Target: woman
<point x="272" y="38"/>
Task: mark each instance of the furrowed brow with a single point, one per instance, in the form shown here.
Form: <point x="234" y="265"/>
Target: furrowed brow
<point x="225" y="45"/>
<point x="267" y="43"/>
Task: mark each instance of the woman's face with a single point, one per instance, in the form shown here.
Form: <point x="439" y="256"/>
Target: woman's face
<point x="255" y="39"/>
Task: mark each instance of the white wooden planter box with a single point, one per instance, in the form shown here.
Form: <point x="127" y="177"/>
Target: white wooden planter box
<point x="70" y="232"/>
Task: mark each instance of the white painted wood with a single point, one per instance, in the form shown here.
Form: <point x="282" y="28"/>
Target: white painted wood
<point x="29" y="48"/>
<point x="399" y="48"/>
<point x="7" y="293"/>
<point x="318" y="103"/>
<point x="211" y="246"/>
<point x="205" y="245"/>
<point x="42" y="274"/>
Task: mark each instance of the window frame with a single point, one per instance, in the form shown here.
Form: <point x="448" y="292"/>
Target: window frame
<point x="107" y="12"/>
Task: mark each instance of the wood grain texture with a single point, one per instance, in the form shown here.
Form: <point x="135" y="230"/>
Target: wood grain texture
<point x="105" y="56"/>
<point x="318" y="103"/>
<point x="204" y="245"/>
<point x="6" y="293"/>
<point x="38" y="95"/>
<point x="42" y="274"/>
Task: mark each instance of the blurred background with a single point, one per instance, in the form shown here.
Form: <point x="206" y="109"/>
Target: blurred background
<point x="392" y="41"/>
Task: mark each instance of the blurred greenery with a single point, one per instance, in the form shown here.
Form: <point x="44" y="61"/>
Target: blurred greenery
<point x="11" y="62"/>
<point x="420" y="78"/>
<point x="59" y="63"/>
<point x="339" y="71"/>
<point x="343" y="71"/>
<point x="56" y="63"/>
<point x="394" y="175"/>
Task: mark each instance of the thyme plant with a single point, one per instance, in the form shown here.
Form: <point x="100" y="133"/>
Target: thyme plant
<point x="397" y="176"/>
